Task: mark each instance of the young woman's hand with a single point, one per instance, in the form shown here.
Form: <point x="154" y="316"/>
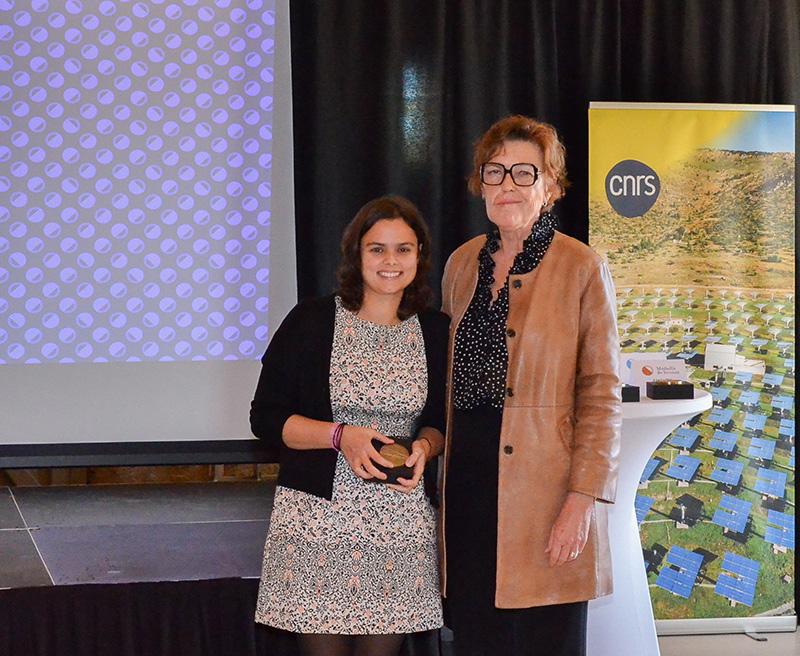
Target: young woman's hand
<point x="356" y="445"/>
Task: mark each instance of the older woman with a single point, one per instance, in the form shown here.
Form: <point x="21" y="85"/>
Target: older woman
<point x="350" y="563"/>
<point x="534" y="403"/>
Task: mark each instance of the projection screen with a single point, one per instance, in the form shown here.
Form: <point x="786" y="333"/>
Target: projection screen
<point x="146" y="226"/>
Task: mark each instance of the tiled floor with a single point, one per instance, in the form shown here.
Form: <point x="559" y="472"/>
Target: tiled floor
<point x="109" y="534"/>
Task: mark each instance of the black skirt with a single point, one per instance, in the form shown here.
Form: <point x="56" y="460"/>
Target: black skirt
<point x="479" y="628"/>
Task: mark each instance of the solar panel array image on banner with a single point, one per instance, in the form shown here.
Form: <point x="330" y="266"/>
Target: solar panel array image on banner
<point x="701" y="249"/>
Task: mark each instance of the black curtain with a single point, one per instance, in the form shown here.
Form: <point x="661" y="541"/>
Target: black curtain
<point x="179" y="618"/>
<point x="390" y="95"/>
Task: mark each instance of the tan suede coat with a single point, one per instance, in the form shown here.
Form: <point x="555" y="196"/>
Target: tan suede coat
<point x="561" y="421"/>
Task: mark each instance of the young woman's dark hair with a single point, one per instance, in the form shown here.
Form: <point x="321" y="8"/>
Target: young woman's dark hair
<point x="351" y="283"/>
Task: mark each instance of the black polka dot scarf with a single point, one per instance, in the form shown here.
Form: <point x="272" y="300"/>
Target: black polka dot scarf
<point x="480" y="359"/>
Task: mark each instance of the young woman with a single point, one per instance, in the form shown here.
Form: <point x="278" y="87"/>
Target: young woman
<point x="350" y="563"/>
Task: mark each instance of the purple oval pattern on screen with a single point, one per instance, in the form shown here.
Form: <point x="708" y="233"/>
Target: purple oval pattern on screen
<point x="135" y="180"/>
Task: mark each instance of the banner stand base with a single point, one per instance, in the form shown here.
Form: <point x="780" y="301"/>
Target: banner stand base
<point x="747" y="625"/>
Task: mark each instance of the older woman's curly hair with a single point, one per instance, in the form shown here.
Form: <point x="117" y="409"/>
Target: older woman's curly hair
<point x="351" y="282"/>
<point x="521" y="128"/>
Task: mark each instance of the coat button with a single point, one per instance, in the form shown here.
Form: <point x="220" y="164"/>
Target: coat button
<point x="511" y="332"/>
<point x="508" y="449"/>
<point x="517" y="284"/>
<point x="510" y="391"/>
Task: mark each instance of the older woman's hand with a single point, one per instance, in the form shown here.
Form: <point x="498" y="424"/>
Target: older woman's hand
<point x="420" y="452"/>
<point x="571" y="529"/>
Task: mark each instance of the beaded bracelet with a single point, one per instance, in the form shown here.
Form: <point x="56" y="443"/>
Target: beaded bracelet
<point x="336" y="436"/>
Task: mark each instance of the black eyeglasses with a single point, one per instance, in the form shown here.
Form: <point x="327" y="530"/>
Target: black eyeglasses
<point x="523" y="175"/>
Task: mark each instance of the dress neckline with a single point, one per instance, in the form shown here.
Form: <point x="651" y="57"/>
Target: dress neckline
<point x="367" y="321"/>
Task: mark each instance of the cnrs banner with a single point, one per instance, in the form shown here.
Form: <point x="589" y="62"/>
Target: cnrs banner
<point x="694" y="208"/>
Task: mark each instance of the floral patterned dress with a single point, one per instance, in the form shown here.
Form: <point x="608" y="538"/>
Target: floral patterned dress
<point x="364" y="562"/>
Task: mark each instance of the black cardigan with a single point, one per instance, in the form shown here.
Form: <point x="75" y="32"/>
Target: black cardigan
<point x="295" y="379"/>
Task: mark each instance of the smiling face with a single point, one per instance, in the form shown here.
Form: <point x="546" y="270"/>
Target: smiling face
<point x="510" y="207"/>
<point x="389" y="253"/>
